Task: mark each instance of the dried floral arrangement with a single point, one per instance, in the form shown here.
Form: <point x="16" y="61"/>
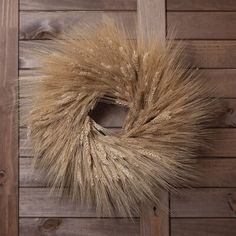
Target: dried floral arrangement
<point x="169" y="110"/>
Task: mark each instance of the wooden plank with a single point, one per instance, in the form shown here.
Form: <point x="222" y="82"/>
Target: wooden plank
<point x="213" y="172"/>
<point x="72" y="5"/>
<point x="203" y="54"/>
<point x="85" y="227"/>
<point x="222" y="80"/>
<point x="203" y="227"/>
<point x="8" y="117"/>
<point x="47" y="25"/>
<point x="204" y="202"/>
<point x="152" y="23"/>
<point x="222" y="144"/>
<point x="39" y="202"/>
<point x="197" y="202"/>
<point x="216" y="172"/>
<point x="211" y="54"/>
<point x="205" y="5"/>
<point x="202" y="25"/>
<point x="155" y="221"/>
<point x="109" y="115"/>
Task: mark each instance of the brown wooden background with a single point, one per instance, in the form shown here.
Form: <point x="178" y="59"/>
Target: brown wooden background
<point x="209" y="208"/>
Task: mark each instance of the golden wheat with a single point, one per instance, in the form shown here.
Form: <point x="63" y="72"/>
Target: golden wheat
<point x="169" y="111"/>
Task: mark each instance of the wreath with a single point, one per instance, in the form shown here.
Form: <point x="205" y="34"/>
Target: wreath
<point x="169" y="110"/>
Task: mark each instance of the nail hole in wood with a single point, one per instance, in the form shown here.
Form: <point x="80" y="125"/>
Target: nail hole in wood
<point x="155" y="211"/>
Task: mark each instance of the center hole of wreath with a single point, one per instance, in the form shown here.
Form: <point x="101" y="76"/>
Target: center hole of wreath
<point x="109" y="115"/>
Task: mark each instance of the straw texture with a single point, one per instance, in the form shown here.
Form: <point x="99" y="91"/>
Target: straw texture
<point x="169" y="110"/>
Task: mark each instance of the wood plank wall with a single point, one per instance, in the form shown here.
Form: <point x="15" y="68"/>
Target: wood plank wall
<point x="207" y="28"/>
<point x="8" y="118"/>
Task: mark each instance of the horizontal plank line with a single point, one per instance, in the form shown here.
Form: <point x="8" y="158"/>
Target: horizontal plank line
<point x="201" y="11"/>
<point x="187" y="39"/>
<point x="82" y="10"/>
<point x="188" y="218"/>
<point x="75" y="217"/>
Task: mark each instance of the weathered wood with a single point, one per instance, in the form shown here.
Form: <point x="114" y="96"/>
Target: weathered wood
<point x="216" y="172"/>
<point x="47" y="25"/>
<point x="222" y="144"/>
<point x="205" y="5"/>
<point x="203" y="227"/>
<point x="204" y="202"/>
<point x="222" y="80"/>
<point x="110" y="116"/>
<point x="38" y="202"/>
<point x="155" y="221"/>
<point x="152" y="23"/>
<point x="202" y="25"/>
<point x="72" y="5"/>
<point x="211" y="54"/>
<point x="72" y="227"/>
<point x="197" y="202"/>
<point x="213" y="172"/>
<point x="8" y="118"/>
<point x="202" y="54"/>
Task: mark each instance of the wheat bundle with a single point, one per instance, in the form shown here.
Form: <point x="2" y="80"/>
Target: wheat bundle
<point x="168" y="113"/>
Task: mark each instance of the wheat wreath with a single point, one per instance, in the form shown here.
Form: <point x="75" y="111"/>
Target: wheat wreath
<point x="169" y="110"/>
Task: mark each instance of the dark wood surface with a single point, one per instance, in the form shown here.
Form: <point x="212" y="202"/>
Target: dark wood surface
<point x="212" y="172"/>
<point x="204" y="202"/>
<point x="78" y="226"/>
<point x="8" y="118"/>
<point x="208" y="30"/>
<point x="88" y="5"/>
<point x="151" y="22"/>
<point x="201" y="5"/>
<point x="203" y="227"/>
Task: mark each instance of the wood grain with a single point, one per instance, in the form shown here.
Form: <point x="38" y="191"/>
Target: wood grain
<point x="113" y="116"/>
<point x="8" y="118"/>
<point x="204" y="202"/>
<point x="203" y="227"/>
<point x="202" y="54"/>
<point x="151" y="18"/>
<point x="88" y="5"/>
<point x="205" y="5"/>
<point x="78" y="226"/>
<point x="186" y="26"/>
<point x="155" y="221"/>
<point x="38" y="202"/>
<point x="222" y="80"/>
<point x="47" y="25"/>
<point x="213" y="172"/>
<point x="222" y="143"/>
<point x="197" y="202"/>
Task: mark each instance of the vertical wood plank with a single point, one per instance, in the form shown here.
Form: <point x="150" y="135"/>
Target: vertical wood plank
<point x="151" y="20"/>
<point x="152" y="23"/>
<point x="154" y="221"/>
<point x="8" y="118"/>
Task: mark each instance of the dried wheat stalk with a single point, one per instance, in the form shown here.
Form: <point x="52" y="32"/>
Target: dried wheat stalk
<point x="169" y="111"/>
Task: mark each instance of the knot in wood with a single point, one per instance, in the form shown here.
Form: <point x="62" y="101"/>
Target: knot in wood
<point x="50" y="224"/>
<point x="232" y="202"/>
<point x="3" y="177"/>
